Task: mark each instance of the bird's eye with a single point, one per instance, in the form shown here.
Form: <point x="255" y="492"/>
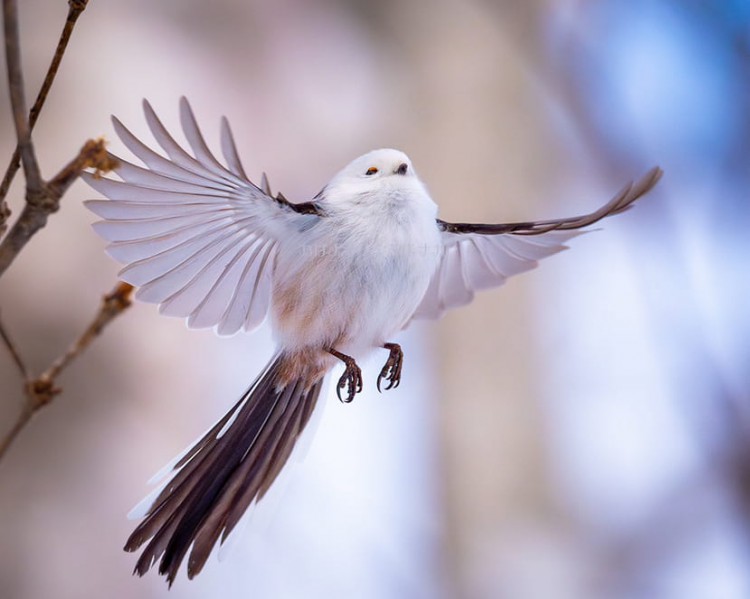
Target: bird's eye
<point x="371" y="171"/>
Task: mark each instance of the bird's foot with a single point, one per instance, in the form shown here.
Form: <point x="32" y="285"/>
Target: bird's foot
<point x="351" y="380"/>
<point x="391" y="372"/>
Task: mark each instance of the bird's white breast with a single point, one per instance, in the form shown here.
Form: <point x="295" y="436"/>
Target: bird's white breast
<point x="356" y="277"/>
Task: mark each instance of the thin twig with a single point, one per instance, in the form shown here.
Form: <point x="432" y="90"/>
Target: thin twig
<point x="23" y="419"/>
<point x="76" y="7"/>
<point x="40" y="391"/>
<point x="13" y="351"/>
<point x="113" y="304"/>
<point x="39" y="206"/>
<point x="34" y="182"/>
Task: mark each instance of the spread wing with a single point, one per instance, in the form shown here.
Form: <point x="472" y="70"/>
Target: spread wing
<point x="197" y="238"/>
<point x="479" y="256"/>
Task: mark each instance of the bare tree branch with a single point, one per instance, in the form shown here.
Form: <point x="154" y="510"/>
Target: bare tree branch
<point x="76" y="7"/>
<point x="13" y="351"/>
<point x="41" y="390"/>
<point x="47" y="200"/>
<point x="42" y="199"/>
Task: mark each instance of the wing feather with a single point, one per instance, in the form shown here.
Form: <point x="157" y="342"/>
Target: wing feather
<point x="142" y="177"/>
<point x="260" y="294"/>
<point x="120" y="190"/>
<point x="162" y="275"/>
<point x="175" y="151"/>
<point x="229" y="149"/>
<point x="186" y="300"/>
<point x="480" y="256"/>
<point x="158" y="163"/>
<point x="242" y="306"/>
<point x="216" y="302"/>
<point x="197" y="237"/>
<point x="198" y="144"/>
<point x="479" y="273"/>
<point x="473" y="262"/>
<point x="124" y="209"/>
<point x="147" y="229"/>
<point x="452" y="287"/>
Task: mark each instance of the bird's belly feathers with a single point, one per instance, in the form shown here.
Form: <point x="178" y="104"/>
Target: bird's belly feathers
<point x="355" y="293"/>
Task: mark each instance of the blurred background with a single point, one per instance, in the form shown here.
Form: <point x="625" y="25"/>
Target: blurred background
<point x="580" y="433"/>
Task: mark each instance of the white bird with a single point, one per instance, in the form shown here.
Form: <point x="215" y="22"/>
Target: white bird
<point x="339" y="275"/>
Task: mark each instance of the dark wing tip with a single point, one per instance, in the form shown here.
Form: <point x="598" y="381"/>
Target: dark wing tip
<point x="619" y="203"/>
<point x="648" y="181"/>
<point x="633" y="191"/>
<point x="265" y="185"/>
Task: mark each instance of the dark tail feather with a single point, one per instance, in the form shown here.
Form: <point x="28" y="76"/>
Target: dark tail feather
<point x="219" y="477"/>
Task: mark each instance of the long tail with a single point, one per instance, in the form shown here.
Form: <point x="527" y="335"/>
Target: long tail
<point x="231" y="466"/>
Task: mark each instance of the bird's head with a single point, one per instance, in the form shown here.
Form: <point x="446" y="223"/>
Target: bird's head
<point x="377" y="172"/>
<point x="377" y="165"/>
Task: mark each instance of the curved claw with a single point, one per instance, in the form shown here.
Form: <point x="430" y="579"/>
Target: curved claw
<point x="351" y="380"/>
<point x="391" y="372"/>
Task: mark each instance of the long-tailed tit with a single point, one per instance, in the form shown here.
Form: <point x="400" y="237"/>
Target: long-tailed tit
<point x="339" y="275"/>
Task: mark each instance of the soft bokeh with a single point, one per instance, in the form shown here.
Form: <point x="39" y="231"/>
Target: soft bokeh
<point x="582" y="432"/>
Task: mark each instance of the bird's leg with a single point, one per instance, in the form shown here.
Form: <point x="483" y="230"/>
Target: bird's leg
<point x="351" y="379"/>
<point x="391" y="372"/>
